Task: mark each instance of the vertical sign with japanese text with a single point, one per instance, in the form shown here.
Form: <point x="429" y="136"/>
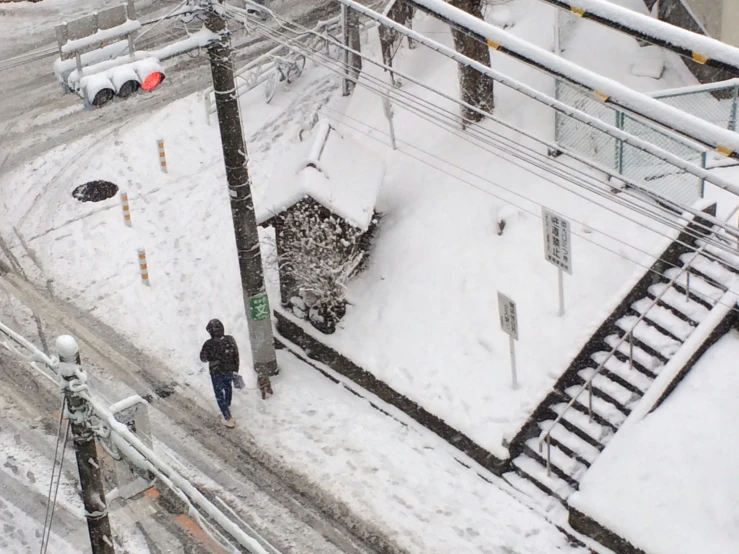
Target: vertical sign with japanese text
<point x="557" y="240"/>
<point x="508" y="317"/>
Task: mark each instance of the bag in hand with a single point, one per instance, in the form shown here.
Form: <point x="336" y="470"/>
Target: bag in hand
<point x="238" y="381"/>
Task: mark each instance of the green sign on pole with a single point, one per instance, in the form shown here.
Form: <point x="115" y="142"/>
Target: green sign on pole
<point x="259" y="307"/>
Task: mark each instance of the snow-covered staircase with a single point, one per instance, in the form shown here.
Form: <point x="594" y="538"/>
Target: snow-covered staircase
<point x="643" y="350"/>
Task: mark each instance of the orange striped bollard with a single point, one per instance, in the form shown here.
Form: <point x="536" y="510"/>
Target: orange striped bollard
<point x="143" y="266"/>
<point x="126" y="209"/>
<point x="162" y="158"/>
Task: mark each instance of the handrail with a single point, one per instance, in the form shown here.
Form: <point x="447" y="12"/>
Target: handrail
<point x="547" y="436"/>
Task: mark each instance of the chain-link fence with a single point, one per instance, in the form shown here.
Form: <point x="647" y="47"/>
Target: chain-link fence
<point x="655" y="174"/>
<point x="716" y="102"/>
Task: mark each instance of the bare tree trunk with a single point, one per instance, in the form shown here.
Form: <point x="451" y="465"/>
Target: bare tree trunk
<point x="476" y="89"/>
<point x="390" y="39"/>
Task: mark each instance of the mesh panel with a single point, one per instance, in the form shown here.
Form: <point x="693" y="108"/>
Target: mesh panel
<point x="654" y="174"/>
<point x="580" y="137"/>
<point x="661" y="177"/>
<point x="717" y="106"/>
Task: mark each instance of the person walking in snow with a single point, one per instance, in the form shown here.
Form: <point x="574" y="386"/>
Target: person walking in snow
<point x="222" y="355"/>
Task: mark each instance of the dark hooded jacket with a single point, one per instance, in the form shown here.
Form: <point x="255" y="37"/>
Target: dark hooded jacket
<point x="220" y="351"/>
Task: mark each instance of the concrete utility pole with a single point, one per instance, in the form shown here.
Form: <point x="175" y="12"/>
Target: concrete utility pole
<point x="350" y="38"/>
<point x="93" y="493"/>
<point x="235" y="157"/>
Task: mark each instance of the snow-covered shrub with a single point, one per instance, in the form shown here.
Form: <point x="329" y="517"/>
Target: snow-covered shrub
<point x="318" y="252"/>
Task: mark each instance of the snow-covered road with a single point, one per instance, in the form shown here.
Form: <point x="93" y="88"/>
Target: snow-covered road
<point x="35" y="116"/>
<point x="285" y="509"/>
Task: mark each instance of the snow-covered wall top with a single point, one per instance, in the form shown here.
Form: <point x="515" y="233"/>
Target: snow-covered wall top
<point x="337" y="172"/>
<point x="607" y="90"/>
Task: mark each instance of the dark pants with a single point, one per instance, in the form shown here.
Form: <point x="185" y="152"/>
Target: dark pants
<point x="223" y="390"/>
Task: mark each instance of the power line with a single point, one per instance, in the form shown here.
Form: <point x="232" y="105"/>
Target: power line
<point x="656" y="215"/>
<point x="413" y="108"/>
<point x="269" y="33"/>
<point x="51" y="498"/>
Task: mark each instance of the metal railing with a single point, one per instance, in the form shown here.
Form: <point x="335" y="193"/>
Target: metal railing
<point x="657" y="175"/>
<point x="266" y="67"/>
<point x="714" y="102"/>
<point x="547" y="436"/>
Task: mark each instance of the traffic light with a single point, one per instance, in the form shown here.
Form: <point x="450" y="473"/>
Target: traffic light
<point x="123" y="80"/>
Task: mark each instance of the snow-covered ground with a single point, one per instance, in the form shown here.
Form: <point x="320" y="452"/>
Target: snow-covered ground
<point x="668" y="483"/>
<point x="424" y="315"/>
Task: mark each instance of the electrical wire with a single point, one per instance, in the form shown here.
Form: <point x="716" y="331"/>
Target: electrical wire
<point x="52" y="497"/>
<point x="269" y="33"/>
<point x="515" y="153"/>
<point x="590" y="163"/>
<point x="516" y="146"/>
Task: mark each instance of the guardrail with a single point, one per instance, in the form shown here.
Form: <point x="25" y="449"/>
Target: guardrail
<point x="547" y="435"/>
<point x="129" y="444"/>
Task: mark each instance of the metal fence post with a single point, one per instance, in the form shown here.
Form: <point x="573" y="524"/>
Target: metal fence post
<point x="732" y="118"/>
<point x="620" y="121"/>
<point x="704" y="163"/>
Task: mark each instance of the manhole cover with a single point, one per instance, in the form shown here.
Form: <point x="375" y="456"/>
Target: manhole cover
<point x="95" y="191"/>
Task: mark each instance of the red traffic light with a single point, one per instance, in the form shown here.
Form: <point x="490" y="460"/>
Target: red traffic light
<point x="152" y="80"/>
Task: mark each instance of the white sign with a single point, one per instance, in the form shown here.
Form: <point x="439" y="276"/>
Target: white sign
<point x="508" y="317"/>
<point x="557" y="241"/>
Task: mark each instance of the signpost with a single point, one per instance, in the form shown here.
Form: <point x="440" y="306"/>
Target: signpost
<point x="509" y="324"/>
<point x="557" y="248"/>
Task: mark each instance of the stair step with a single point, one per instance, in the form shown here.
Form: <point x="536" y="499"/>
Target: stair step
<point x="569" y="426"/>
<point x="671" y="297"/>
<point x="543" y="500"/>
<point x="675" y="309"/>
<point x="697" y="300"/>
<point x="622" y="369"/>
<point x="729" y="259"/>
<point x="622" y="395"/>
<point x="664" y="318"/>
<point x="583" y="449"/>
<point x="709" y="267"/>
<point x="593" y="429"/>
<point x="604" y="409"/>
<point x="538" y="474"/>
<point x="697" y="285"/>
<point x="649" y="336"/>
<point x="564" y="462"/>
<point x="645" y="359"/>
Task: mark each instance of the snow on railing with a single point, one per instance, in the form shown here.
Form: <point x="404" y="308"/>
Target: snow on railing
<point x="587" y="119"/>
<point x="133" y="448"/>
<point x="701" y="48"/>
<point x="606" y="90"/>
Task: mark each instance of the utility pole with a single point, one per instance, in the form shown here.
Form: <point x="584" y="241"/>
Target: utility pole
<point x="351" y="39"/>
<point x="256" y="303"/>
<point x="88" y="466"/>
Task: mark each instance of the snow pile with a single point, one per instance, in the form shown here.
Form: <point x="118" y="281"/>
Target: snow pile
<point x="668" y="483"/>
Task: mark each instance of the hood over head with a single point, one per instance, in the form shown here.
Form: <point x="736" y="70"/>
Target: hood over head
<point x="215" y="328"/>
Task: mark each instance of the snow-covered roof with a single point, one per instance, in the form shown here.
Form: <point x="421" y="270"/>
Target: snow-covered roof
<point x="335" y="170"/>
